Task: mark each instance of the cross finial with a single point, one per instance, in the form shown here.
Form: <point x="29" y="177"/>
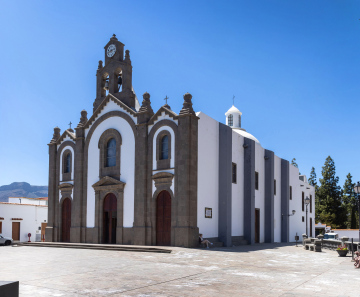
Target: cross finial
<point x="233" y="99"/>
<point x="166" y="99"/>
<point x="70" y="124"/>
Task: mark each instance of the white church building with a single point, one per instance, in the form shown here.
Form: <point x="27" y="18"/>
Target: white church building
<point x="127" y="175"/>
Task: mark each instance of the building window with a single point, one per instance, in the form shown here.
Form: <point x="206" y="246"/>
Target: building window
<point x="163" y="149"/>
<point x="164" y="154"/>
<point x="67" y="163"/>
<point x="230" y="120"/>
<point x="274" y="186"/>
<point x="111" y="153"/>
<point x="256" y="180"/>
<point x="239" y="121"/>
<point x="290" y="192"/>
<point x="234" y="173"/>
<point x="303" y="219"/>
<point x="303" y="201"/>
<point x="310" y="203"/>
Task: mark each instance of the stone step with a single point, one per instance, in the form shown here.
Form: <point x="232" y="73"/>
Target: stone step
<point x="112" y="247"/>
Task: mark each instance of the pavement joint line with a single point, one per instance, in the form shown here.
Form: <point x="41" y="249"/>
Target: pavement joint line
<point x="159" y="283"/>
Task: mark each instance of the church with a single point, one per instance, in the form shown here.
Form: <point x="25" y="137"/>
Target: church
<point x="129" y="175"/>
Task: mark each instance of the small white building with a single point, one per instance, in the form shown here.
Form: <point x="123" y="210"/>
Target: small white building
<point x="19" y="219"/>
<point x="26" y="200"/>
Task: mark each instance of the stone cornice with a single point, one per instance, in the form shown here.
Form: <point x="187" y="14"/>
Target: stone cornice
<point x="108" y="183"/>
<point x="66" y="133"/>
<point x="167" y="111"/>
<point x="103" y="104"/>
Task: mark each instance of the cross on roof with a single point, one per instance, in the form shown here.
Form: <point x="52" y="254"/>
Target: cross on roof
<point x="166" y="99"/>
<point x="70" y="124"/>
<point x="233" y="99"/>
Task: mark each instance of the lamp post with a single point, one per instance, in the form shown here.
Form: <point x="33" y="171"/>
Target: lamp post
<point x="357" y="191"/>
<point x="307" y="202"/>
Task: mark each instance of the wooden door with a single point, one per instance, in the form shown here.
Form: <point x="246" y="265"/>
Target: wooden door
<point x="16" y="230"/>
<point x="43" y="227"/>
<point x="310" y="227"/>
<point x="66" y="220"/>
<point x="257" y="225"/>
<point x="163" y="218"/>
<point x="0" y="227"/>
<point x="110" y="219"/>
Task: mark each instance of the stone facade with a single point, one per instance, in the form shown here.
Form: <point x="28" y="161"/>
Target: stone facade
<point x="142" y="191"/>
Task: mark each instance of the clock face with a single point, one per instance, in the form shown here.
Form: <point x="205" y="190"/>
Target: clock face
<point x="111" y="50"/>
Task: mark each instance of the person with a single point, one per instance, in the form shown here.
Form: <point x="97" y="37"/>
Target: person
<point x="357" y="259"/>
<point x="204" y="241"/>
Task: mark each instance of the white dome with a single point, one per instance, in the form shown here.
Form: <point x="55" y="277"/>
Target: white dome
<point x="246" y="134"/>
<point x="233" y="110"/>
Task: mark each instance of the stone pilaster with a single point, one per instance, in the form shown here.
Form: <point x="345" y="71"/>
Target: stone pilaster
<point x="269" y="196"/>
<point x="186" y="230"/>
<point x="249" y="190"/>
<point x="49" y="231"/>
<point x="225" y="183"/>
<point x="285" y="193"/>
<point x="141" y="172"/>
<point x="78" y="224"/>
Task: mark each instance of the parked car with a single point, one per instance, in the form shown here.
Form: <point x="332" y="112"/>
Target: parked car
<point x="331" y="236"/>
<point x="5" y="240"/>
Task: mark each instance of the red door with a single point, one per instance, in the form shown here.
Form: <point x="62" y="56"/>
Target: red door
<point x="66" y="220"/>
<point x="163" y="219"/>
<point x="257" y="225"/>
<point x="110" y="218"/>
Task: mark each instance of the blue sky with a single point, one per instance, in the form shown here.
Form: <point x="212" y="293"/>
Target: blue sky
<point x="292" y="65"/>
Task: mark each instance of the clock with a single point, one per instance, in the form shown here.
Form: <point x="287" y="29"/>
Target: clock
<point x="111" y="50"/>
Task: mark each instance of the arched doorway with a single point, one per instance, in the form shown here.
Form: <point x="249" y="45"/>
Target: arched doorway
<point x="110" y="218"/>
<point x="66" y="220"/>
<point x="163" y="218"/>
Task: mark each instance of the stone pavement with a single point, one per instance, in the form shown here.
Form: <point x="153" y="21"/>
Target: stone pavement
<point x="258" y="270"/>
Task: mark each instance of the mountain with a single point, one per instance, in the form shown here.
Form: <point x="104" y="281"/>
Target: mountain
<point x="22" y="189"/>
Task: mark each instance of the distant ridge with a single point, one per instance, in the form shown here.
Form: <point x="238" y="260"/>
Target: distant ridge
<point x="22" y="189"/>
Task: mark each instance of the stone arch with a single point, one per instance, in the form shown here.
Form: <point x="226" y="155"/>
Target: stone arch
<point x="115" y="113"/>
<point x="66" y="175"/>
<point x="151" y="205"/>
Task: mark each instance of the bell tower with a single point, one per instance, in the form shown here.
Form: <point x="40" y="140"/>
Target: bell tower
<point x="115" y="76"/>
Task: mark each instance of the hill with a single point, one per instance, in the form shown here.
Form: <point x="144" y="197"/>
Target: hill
<point x="22" y="189"/>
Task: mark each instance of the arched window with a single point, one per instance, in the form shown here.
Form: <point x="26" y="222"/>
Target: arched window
<point x="164" y="153"/>
<point x="111" y="153"/>
<point x="230" y="120"/>
<point x="239" y="121"/>
<point x="67" y="163"/>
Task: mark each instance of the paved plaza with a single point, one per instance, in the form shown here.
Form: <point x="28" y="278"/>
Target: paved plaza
<point x="258" y="270"/>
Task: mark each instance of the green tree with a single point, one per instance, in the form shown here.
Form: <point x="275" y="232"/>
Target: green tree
<point x="313" y="182"/>
<point x="293" y="162"/>
<point x="331" y="210"/>
<point x="350" y="204"/>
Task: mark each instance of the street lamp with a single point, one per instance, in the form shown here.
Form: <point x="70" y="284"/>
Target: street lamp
<point x="307" y="202"/>
<point x="357" y="191"/>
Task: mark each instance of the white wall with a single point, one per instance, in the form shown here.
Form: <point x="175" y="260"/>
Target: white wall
<point x="162" y="116"/>
<point x="277" y="199"/>
<point x="237" y="190"/>
<point x="127" y="168"/>
<point x="25" y="200"/>
<point x="296" y="225"/>
<point x="208" y="175"/>
<point x="32" y="216"/>
<point x="260" y="193"/>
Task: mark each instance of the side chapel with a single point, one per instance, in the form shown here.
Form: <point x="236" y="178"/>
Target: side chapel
<point x="127" y="175"/>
